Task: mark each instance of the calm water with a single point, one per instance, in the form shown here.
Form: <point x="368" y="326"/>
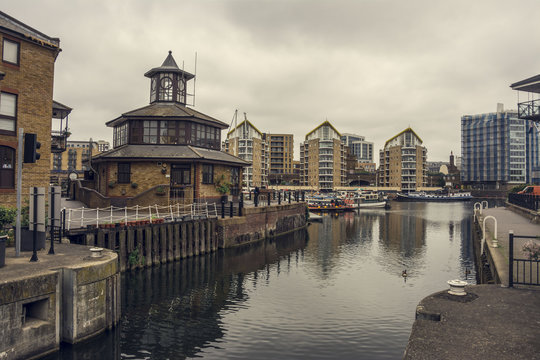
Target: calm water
<point x="335" y="291"/>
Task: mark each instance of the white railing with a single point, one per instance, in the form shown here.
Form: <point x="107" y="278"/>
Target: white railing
<point x="82" y="217"/>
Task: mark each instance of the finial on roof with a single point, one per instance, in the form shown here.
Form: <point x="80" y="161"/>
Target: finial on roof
<point x="170" y="52"/>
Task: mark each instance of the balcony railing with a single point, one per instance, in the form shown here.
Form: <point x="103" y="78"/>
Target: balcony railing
<point x="529" y="110"/>
<point x="58" y="141"/>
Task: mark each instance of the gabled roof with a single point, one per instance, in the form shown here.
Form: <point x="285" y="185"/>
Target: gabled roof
<point x="326" y="123"/>
<point x="170" y="66"/>
<point x="167" y="111"/>
<point x="21" y="30"/>
<point x="169" y="152"/>
<point x="403" y="132"/>
<point x="247" y="122"/>
<point x="531" y="84"/>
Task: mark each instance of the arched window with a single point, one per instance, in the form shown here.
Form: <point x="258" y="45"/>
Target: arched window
<point x="7" y="167"/>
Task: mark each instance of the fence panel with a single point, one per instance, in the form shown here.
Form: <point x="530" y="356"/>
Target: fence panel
<point x="524" y="271"/>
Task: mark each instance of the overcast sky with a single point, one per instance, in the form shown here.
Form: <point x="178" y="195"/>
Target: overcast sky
<point x="371" y="68"/>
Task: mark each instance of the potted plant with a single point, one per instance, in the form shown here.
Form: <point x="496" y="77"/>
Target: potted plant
<point x="112" y="184"/>
<point x="223" y="187"/>
<point x="134" y="185"/>
<point x="160" y="191"/>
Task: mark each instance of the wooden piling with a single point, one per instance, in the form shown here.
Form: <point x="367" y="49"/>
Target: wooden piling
<point x="202" y="224"/>
<point x="155" y="245"/>
<point x="183" y="240"/>
<point x="189" y="239"/>
<point x="162" y="244"/>
<point x="196" y="240"/>
<point x="176" y="242"/>
<point x="144" y="234"/>
<point x="122" y="251"/>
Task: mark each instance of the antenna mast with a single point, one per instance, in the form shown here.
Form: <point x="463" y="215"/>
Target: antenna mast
<point x="195" y="78"/>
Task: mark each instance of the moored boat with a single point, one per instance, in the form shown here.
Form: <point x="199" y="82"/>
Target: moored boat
<point x="424" y="196"/>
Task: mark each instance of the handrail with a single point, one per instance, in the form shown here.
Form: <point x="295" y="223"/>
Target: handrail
<point x="87" y="216"/>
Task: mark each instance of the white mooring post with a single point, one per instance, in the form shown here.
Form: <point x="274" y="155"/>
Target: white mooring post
<point x="478" y="206"/>
<point x="485" y="204"/>
<point x="495" y="242"/>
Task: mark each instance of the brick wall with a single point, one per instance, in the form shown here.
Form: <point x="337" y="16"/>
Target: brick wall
<point x="32" y="81"/>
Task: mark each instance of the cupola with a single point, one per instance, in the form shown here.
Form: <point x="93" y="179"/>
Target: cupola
<point x="168" y="82"/>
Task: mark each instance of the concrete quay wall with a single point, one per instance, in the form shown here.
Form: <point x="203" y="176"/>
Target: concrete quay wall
<point x="66" y="297"/>
<point x="29" y="316"/>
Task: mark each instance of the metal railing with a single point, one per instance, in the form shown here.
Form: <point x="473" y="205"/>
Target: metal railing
<point x="82" y="217"/>
<point x="529" y="109"/>
<point x="530" y="202"/>
<point x="523" y="271"/>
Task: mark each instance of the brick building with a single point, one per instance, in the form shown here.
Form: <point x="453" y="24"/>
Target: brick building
<point x="403" y="162"/>
<point x="26" y="102"/>
<point x="322" y="157"/>
<point x="281" y="147"/>
<point x="166" y="150"/>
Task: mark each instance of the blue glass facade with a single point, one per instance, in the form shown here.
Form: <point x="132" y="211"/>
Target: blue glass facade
<point x="498" y="148"/>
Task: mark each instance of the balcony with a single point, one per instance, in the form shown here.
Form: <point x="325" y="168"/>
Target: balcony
<point x="59" y="137"/>
<point x="529" y="110"/>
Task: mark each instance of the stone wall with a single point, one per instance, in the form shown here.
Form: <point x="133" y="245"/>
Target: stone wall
<point x="65" y="302"/>
<point x="91" y="298"/>
<point x="260" y="223"/>
<point x="29" y="316"/>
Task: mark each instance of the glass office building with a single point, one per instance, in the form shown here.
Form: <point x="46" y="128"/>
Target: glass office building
<point x="498" y="149"/>
<point x="362" y="149"/>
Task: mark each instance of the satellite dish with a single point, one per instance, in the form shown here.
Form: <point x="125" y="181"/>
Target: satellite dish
<point x="73" y="176"/>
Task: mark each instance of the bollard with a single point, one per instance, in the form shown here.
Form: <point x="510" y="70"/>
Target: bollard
<point x="303" y="196"/>
<point x="52" y="220"/>
<point x="268" y="198"/>
<point x="289" y="197"/>
<point x="222" y="209"/>
<point x="231" y="210"/>
<point x="457" y="287"/>
<point x="279" y="198"/>
<point x="511" y="258"/>
<point x="256" y="199"/>
<point x="241" y="204"/>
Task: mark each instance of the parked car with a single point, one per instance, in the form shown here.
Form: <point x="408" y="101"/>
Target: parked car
<point x="531" y="190"/>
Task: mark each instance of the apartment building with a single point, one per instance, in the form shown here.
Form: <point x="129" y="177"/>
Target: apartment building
<point x="75" y="158"/>
<point x="498" y="149"/>
<point x="248" y="143"/>
<point x="322" y="158"/>
<point x="403" y="162"/>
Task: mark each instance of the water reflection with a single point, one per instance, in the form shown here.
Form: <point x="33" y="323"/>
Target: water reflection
<point x="339" y="294"/>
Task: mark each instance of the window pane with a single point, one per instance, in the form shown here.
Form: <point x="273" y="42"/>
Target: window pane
<point x="7" y="165"/>
<point x="10" y="51"/>
<point x="8" y="104"/>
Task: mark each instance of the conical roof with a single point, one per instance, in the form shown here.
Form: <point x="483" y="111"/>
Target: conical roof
<point x="169" y="66"/>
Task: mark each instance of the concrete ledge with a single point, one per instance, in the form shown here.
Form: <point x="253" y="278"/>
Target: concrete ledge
<point x="493" y="323"/>
<point x="532" y="215"/>
<point x="63" y="297"/>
